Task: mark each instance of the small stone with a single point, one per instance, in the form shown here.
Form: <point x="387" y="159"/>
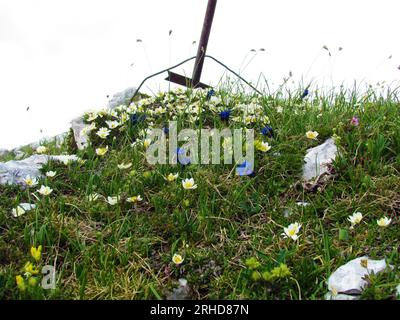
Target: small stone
<point x="318" y="158"/>
<point x="180" y="293"/>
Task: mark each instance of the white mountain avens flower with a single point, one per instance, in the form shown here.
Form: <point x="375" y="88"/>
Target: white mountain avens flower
<point x="177" y="259"/>
<point x="45" y="190"/>
<point x="383" y="222"/>
<point x="101" y="151"/>
<point x="292" y="231"/>
<point x="103" y="133"/>
<point x="312" y="135"/>
<point x="51" y="174"/>
<point x="189" y="184"/>
<point x="30" y="182"/>
<point x="355" y="218"/>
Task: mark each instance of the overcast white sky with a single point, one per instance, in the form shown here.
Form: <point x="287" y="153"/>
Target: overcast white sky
<point x="61" y="58"/>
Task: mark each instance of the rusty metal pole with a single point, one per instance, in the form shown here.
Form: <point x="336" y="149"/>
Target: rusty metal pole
<point x="205" y="34"/>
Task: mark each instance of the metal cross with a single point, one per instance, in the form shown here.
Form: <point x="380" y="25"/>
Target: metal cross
<point x="201" y="52"/>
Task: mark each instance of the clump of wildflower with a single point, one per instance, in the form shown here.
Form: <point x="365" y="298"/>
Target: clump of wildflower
<point x="41" y="149"/>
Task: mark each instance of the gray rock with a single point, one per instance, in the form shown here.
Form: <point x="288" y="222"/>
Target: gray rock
<point x="4" y="152"/>
<point x="317" y="159"/>
<point x="180" y="293"/>
<point x="348" y="279"/>
<point x="15" y="171"/>
<point x="81" y="139"/>
<point x="123" y="97"/>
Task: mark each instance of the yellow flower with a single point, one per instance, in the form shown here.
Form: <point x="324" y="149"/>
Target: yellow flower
<point x="36" y="253"/>
<point x="383" y="222"/>
<point x="146" y="143"/>
<point x="189" y="184"/>
<point x="134" y="199"/>
<point x="172" y="177"/>
<point x="32" y="281"/>
<point x="101" y="151"/>
<point x="20" y="282"/>
<point x="177" y="259"/>
<point x="30" y="269"/>
<point x="312" y="134"/>
<point x="263" y="146"/>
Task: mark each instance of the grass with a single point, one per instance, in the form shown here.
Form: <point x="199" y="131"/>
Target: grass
<point x="229" y="229"/>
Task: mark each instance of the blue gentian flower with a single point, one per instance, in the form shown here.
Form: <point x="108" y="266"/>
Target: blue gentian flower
<point x="305" y="93"/>
<point x="136" y="118"/>
<point x="267" y="131"/>
<point x="244" y="169"/>
<point x="166" y="130"/>
<point x="182" y="158"/>
<point x="210" y="93"/>
<point x="224" y="115"/>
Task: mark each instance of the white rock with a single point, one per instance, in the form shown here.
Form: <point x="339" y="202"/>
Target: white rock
<point x="349" y="277"/>
<point x="14" y="171"/>
<point x="340" y="296"/>
<point x="123" y="97"/>
<point x="81" y="139"/>
<point x="398" y="291"/>
<point x="27" y="206"/>
<point x="317" y="158"/>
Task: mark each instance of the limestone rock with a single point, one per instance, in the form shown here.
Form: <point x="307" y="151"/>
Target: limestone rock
<point x="14" y="171"/>
<point x="317" y="159"/>
<point x="81" y="138"/>
<point x="4" y="152"/>
<point x="348" y="279"/>
<point x="180" y="293"/>
<point x="123" y="97"/>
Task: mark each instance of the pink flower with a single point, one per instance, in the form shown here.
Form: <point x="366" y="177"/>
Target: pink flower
<point x="355" y="121"/>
